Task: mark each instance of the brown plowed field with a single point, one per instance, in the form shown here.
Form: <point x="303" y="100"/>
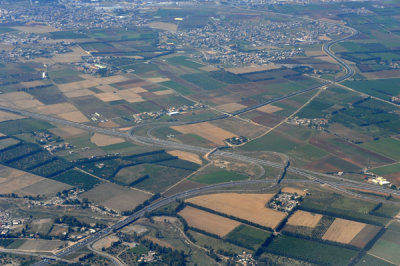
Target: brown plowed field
<point x="366" y="234"/>
<point x="208" y="222"/>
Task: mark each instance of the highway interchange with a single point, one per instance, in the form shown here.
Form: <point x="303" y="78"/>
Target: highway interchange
<point x="311" y="177"/>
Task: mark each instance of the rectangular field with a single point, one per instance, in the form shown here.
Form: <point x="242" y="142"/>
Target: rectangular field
<point x="343" y="231"/>
<point x="208" y="222"/>
<point x="206" y="130"/>
<point x="249" y="207"/>
<point x="302" y="218"/>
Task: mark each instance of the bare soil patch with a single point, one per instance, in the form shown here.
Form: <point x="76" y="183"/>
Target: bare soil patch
<point x="108" y="96"/>
<point x="208" y="222"/>
<point x="294" y="190"/>
<point x="365" y="236"/>
<point x="55" y="109"/>
<point x="116" y="197"/>
<point x="164" y="92"/>
<point x="67" y="132"/>
<point x="209" y="68"/>
<point x="77" y="85"/>
<point x="36" y="29"/>
<point x="187" y="156"/>
<point x="108" y="124"/>
<point x="76" y="116"/>
<point x="302" y="218"/>
<point x="250" y="207"/>
<point x="105" y="242"/>
<point x="269" y="109"/>
<point x="78" y="93"/>
<point x="104" y="140"/>
<point x="157" y="80"/>
<point x="206" y="130"/>
<point x="164" y="26"/>
<point x="343" y="231"/>
<point x="30" y="84"/>
<point x="6" y="116"/>
<point x="230" y="107"/>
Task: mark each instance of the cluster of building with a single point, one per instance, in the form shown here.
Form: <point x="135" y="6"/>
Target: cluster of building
<point x="97" y="117"/>
<point x="245" y="259"/>
<point x="378" y="180"/>
<point x="149" y="257"/>
<point x="171" y="111"/>
<point x="285" y="202"/>
<point x="233" y="42"/>
<point x="8" y="222"/>
<point x="236" y="141"/>
<point x="317" y="123"/>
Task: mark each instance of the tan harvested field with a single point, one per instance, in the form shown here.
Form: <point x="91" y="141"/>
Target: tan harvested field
<point x="128" y="95"/>
<point x="116" y="197"/>
<point x="206" y="130"/>
<point x="108" y="124"/>
<point x="76" y="116"/>
<point x="326" y="59"/>
<point x="302" y="218"/>
<point x="365" y="236"/>
<point x="36" y="29"/>
<point x="106" y="88"/>
<point x="250" y="69"/>
<point x="157" y="80"/>
<point x="164" y="26"/>
<point x="41" y="245"/>
<point x="55" y="109"/>
<point x="19" y="99"/>
<point x="137" y="90"/>
<point x="5" y="116"/>
<point x="294" y="190"/>
<point x="23" y="183"/>
<point x="105" y="242"/>
<point x="108" y="96"/>
<point x="58" y="230"/>
<point x="230" y="107"/>
<point x="67" y="132"/>
<point x="104" y="140"/>
<point x="269" y="109"/>
<point x="77" y="85"/>
<point x="187" y="156"/>
<point x="209" y="68"/>
<point x="47" y="187"/>
<point x="30" y="84"/>
<point x="164" y="92"/>
<point x="240" y="128"/>
<point x="78" y="93"/>
<point x="208" y="222"/>
<point x="250" y="207"/>
<point x="343" y="231"/>
<point x="315" y="53"/>
<point x="74" y="56"/>
<point x="111" y="79"/>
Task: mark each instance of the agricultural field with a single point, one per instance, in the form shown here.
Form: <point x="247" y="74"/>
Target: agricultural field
<point x="310" y="251"/>
<point x="115" y="197"/>
<point x="249" y="237"/>
<point x="387" y="247"/>
<point x="248" y="207"/>
<point x="208" y="222"/>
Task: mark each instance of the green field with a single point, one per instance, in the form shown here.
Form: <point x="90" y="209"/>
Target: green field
<point x="184" y="61"/>
<point x="381" y="88"/>
<point x="387" y="170"/>
<point x="218" y="177"/>
<point x="77" y="179"/>
<point x="386" y="146"/>
<point x="7" y="142"/>
<point x="388" y="247"/>
<point x="248" y="237"/>
<point x="311" y="251"/>
<point x="203" y="81"/>
<point x="334" y="204"/>
<point x="26" y="125"/>
<point x="270" y="142"/>
<point x="369" y="260"/>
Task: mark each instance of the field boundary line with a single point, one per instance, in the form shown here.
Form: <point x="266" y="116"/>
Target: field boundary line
<point x="381" y="258"/>
<point x="294" y="113"/>
<point x="108" y="181"/>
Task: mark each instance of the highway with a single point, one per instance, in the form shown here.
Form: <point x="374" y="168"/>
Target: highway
<point x="338" y="183"/>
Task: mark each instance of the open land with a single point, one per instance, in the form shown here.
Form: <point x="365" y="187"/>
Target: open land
<point x="250" y="207"/>
<point x="208" y="222"/>
<point x="302" y="218"/>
